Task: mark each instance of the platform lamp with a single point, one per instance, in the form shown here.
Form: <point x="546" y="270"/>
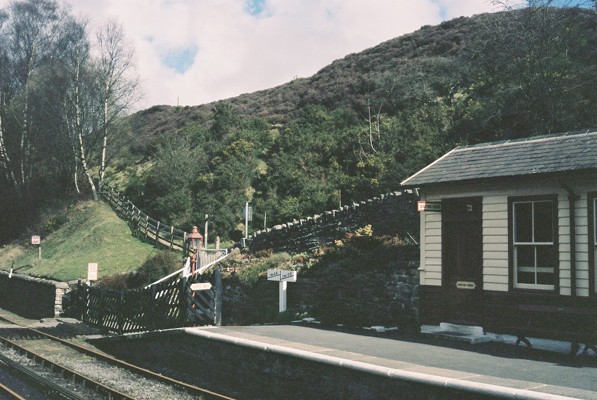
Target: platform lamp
<point x="195" y="239"/>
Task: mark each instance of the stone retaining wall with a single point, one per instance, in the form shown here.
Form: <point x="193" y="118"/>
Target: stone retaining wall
<point x="389" y="214"/>
<point x="31" y="297"/>
<point x="250" y="370"/>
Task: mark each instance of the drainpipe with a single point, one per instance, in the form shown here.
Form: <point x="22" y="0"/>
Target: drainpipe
<point x="572" y="197"/>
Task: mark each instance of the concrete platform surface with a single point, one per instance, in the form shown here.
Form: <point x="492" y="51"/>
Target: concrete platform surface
<point x="518" y="372"/>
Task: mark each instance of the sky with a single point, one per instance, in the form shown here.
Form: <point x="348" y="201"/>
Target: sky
<point x="191" y="52"/>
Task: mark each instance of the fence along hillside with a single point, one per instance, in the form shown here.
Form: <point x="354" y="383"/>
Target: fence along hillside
<point x="142" y="225"/>
<point x="389" y="214"/>
<point x="161" y="235"/>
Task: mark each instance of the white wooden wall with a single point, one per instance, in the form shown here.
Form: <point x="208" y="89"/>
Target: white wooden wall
<point x="495" y="230"/>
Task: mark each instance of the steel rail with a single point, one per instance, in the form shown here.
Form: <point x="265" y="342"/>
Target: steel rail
<point x="65" y="372"/>
<point x="9" y="392"/>
<point x="45" y="383"/>
<point x="142" y="371"/>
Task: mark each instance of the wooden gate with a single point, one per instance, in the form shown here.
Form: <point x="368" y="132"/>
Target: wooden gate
<point x="169" y="304"/>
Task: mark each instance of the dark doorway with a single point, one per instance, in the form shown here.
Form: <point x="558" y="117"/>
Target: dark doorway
<point x="462" y="260"/>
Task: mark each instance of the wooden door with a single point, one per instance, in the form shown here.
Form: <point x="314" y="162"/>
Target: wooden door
<point x="462" y="260"/>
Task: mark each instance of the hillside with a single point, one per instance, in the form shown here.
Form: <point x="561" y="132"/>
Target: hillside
<point x="89" y="232"/>
<point x="361" y="125"/>
<point x="350" y="81"/>
<point x="350" y="132"/>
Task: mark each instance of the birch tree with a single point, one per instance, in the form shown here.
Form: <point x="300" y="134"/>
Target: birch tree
<point x="117" y="84"/>
<point x="100" y="91"/>
<point x="28" y="41"/>
<point x="80" y="105"/>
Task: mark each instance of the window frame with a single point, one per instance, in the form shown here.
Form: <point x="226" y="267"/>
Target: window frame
<point x="514" y="246"/>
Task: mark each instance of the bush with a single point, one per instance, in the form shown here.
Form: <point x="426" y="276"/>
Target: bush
<point x="116" y="282"/>
<point x="154" y="268"/>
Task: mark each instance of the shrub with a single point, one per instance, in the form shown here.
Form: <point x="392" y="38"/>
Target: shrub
<point x="154" y="268"/>
<point x="118" y="281"/>
<point x="250" y="275"/>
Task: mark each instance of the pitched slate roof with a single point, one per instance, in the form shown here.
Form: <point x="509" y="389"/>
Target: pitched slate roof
<point x="535" y="155"/>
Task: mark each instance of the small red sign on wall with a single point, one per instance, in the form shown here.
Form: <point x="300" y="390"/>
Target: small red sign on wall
<point x="423" y="205"/>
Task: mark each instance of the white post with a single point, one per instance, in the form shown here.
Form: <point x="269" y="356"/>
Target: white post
<point x="283" y="286"/>
<point x="246" y="220"/>
<point x="205" y="231"/>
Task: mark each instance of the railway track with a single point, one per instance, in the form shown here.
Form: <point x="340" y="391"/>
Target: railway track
<point x="33" y="343"/>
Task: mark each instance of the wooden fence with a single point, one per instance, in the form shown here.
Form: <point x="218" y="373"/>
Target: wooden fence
<point x="142" y="225"/>
<point x="169" y="304"/>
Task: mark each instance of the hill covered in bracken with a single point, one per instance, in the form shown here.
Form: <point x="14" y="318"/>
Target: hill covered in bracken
<point x="351" y="131"/>
<point x="422" y="61"/>
<point x="360" y="125"/>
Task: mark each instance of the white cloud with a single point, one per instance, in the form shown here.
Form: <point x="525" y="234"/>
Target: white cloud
<point x="237" y="52"/>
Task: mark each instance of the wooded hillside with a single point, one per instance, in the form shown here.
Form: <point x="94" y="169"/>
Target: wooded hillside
<point x="362" y="124"/>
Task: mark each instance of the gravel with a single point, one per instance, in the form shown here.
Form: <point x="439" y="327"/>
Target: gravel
<point x="122" y="380"/>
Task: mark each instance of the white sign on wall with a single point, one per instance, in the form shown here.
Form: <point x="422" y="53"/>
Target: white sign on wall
<point x="200" y="286"/>
<point x="92" y="271"/>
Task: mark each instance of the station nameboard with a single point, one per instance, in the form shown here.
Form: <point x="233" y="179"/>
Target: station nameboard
<point x="423" y="205"/>
<point x="281" y="275"/>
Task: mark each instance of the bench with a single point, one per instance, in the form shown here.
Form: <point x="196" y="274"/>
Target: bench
<point x="577" y="325"/>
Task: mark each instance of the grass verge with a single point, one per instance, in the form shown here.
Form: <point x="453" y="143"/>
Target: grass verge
<point x="92" y="233"/>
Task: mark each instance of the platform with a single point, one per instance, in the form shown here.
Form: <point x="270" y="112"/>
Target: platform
<point x="547" y="372"/>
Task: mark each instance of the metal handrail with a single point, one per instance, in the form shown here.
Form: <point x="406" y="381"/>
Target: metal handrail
<point x="186" y="270"/>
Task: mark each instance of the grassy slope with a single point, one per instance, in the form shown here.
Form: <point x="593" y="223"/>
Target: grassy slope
<point x="93" y="233"/>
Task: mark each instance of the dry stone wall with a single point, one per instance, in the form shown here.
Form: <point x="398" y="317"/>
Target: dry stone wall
<point x="31" y="297"/>
<point x="391" y="213"/>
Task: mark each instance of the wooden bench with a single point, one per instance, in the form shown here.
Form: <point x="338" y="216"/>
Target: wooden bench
<point x="577" y="325"/>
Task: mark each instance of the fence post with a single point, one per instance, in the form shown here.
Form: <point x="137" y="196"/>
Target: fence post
<point x="81" y="300"/>
<point x="146" y="226"/>
<point x="171" y="237"/>
<point x="157" y="235"/>
<point x="218" y="299"/>
<point x="184" y="302"/>
<point x="138" y="223"/>
<point x="121" y="313"/>
<point x="151" y="309"/>
<point x="101" y="308"/>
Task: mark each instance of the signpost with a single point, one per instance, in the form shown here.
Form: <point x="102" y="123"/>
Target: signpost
<point x="283" y="277"/>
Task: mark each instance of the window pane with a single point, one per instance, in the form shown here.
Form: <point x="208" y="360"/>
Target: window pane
<point x="544" y="221"/>
<point x="525" y="256"/>
<point x="523" y="222"/>
<point x="526" y="277"/>
<point x="525" y="264"/>
<point x="545" y="279"/>
<point x="545" y="257"/>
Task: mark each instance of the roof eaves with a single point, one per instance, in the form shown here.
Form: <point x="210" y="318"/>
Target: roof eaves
<point x="405" y="182"/>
